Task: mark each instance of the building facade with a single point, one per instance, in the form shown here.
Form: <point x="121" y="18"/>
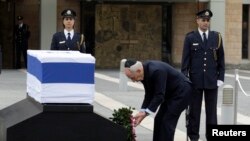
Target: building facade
<point x="141" y="29"/>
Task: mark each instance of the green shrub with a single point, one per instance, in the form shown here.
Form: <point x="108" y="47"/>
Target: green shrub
<point x="123" y="117"/>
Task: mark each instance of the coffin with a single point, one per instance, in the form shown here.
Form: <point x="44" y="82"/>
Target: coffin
<point x="60" y="76"/>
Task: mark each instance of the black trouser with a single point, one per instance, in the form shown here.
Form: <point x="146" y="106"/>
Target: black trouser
<point x="169" y="112"/>
<point x="21" y="48"/>
<point x="210" y="96"/>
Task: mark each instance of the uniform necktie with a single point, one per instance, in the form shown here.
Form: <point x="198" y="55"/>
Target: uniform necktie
<point x="204" y="38"/>
<point x="68" y="38"/>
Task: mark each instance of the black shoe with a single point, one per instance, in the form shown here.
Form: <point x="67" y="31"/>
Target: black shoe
<point x="195" y="140"/>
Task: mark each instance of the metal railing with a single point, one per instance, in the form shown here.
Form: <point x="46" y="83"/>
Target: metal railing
<point x="237" y="83"/>
<point x="230" y="101"/>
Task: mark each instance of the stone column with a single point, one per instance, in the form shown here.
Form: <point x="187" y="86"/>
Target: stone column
<point x="218" y="19"/>
<point x="48" y="22"/>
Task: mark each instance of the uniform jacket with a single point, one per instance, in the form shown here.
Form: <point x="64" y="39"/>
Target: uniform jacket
<point x="161" y="83"/>
<point x="22" y="34"/>
<point x="203" y="64"/>
<point x="59" y="42"/>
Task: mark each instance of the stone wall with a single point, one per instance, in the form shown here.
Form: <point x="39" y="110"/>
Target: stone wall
<point x="233" y="32"/>
<point x="183" y="22"/>
<point x="124" y="30"/>
<point x="127" y="31"/>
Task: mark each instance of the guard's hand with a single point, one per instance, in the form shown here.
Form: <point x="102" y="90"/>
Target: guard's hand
<point x="139" y="117"/>
<point x="219" y="83"/>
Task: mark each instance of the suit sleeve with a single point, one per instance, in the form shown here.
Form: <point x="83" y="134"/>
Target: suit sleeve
<point x="16" y="27"/>
<point x="28" y="32"/>
<point x="221" y="62"/>
<point x="147" y="97"/>
<point x="156" y="95"/>
<point x="186" y="57"/>
<point x="53" y="45"/>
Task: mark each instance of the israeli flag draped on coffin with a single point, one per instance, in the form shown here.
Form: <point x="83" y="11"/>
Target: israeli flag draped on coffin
<point x="60" y="76"/>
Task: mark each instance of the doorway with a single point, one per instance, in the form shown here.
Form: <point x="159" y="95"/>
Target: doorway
<point x="166" y="33"/>
<point x="6" y="32"/>
<point x="88" y="25"/>
<point x="245" y="32"/>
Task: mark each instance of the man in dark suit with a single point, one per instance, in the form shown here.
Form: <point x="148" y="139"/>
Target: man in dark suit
<point x="165" y="87"/>
<point x="22" y="35"/>
<point x="203" y="62"/>
<point x="68" y="39"/>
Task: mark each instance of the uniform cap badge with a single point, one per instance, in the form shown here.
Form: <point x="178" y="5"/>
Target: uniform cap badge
<point x="69" y="12"/>
<point x="207" y="13"/>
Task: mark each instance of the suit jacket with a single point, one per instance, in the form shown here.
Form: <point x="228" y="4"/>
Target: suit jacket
<point x="161" y="83"/>
<point x="59" y="42"/>
<point x="22" y="34"/>
<point x="203" y="64"/>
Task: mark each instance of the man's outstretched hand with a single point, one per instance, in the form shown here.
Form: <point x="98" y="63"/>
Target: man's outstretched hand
<point x="139" y="117"/>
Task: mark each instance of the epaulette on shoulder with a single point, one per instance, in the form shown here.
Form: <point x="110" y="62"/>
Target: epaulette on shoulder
<point x="216" y="32"/>
<point x="190" y="33"/>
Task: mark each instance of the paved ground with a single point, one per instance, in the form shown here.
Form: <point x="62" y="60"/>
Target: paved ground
<point x="13" y="89"/>
<point x="108" y="97"/>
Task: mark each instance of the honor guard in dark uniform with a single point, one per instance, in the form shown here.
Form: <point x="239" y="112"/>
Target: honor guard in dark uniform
<point x="166" y="88"/>
<point x="68" y="39"/>
<point x="203" y="62"/>
<point x="22" y="35"/>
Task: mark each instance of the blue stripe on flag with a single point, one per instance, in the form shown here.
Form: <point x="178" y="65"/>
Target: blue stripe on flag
<point x="34" y="67"/>
<point x="61" y="72"/>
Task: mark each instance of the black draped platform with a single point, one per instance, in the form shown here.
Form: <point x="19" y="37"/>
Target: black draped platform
<point x="28" y="120"/>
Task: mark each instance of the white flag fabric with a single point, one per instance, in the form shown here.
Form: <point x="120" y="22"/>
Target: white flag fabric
<point x="60" y="76"/>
